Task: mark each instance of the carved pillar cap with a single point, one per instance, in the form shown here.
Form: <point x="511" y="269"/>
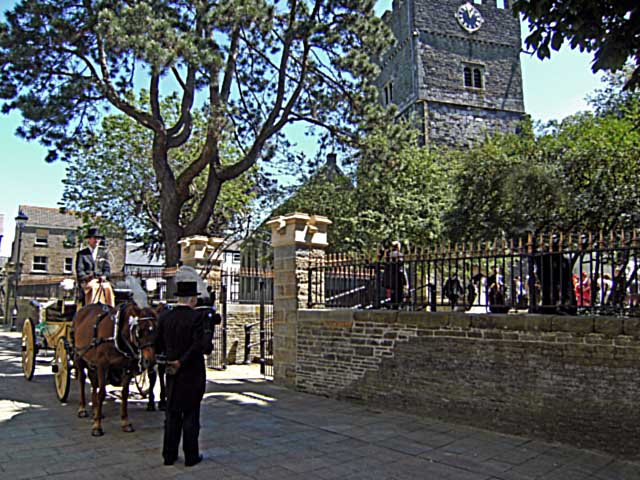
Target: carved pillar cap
<point x="197" y="248"/>
<point x="299" y="229"/>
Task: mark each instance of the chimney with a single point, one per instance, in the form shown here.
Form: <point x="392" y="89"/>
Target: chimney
<point x="332" y="161"/>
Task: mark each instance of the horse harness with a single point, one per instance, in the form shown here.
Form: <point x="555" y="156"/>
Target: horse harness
<point x="120" y="342"/>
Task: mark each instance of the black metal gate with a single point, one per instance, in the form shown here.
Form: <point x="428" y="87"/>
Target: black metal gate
<point x="266" y="330"/>
<point x="246" y="287"/>
<point x="218" y="358"/>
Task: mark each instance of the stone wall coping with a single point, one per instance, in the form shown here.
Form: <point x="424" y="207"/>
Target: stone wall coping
<point x="243" y="307"/>
<point x="580" y="325"/>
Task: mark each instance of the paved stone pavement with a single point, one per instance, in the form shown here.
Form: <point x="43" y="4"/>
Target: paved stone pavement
<point x="252" y="429"/>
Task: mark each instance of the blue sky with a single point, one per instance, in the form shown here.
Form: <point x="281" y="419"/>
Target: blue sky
<point x="553" y="89"/>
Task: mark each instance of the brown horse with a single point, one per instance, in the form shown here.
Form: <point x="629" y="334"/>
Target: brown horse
<point x="112" y="345"/>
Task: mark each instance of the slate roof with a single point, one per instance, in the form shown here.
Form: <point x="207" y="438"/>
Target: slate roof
<point x="138" y="258"/>
<point x="49" y="217"/>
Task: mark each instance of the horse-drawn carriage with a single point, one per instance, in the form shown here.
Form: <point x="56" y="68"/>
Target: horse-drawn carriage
<point x="107" y="345"/>
<point x="51" y="329"/>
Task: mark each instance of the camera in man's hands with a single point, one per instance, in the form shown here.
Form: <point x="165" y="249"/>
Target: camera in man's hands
<point x="209" y="315"/>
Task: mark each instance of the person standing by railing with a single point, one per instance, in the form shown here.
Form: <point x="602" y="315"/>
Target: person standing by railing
<point x="583" y="291"/>
<point x="395" y="277"/>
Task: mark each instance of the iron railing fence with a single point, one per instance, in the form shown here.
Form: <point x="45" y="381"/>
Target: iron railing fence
<point x="564" y="274"/>
<point x="243" y="285"/>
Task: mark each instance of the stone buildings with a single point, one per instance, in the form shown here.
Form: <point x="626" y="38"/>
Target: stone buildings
<point x="50" y="240"/>
<point x="454" y="69"/>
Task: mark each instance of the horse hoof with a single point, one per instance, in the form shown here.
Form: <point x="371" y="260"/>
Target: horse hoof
<point x="162" y="406"/>
<point x="128" y="428"/>
<point x="97" y="432"/>
<point x="151" y="407"/>
<point x="82" y="414"/>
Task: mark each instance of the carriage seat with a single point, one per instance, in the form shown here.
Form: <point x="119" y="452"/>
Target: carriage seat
<point x="61" y="311"/>
<point x="122" y="295"/>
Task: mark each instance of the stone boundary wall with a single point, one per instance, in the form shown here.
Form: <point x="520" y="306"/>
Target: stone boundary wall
<point x="574" y="380"/>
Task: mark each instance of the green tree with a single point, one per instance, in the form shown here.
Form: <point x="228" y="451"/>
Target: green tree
<point x="580" y="174"/>
<point x="328" y="192"/>
<point x="599" y="160"/>
<point x="258" y="66"/>
<point x="112" y="179"/>
<point x="401" y="190"/>
<point x="504" y="187"/>
<point x="609" y="29"/>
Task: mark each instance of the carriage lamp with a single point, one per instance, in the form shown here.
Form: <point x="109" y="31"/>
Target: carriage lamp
<point x="21" y="221"/>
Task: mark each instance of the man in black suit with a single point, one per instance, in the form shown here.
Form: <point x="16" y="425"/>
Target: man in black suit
<point x="180" y="339"/>
<point x="93" y="270"/>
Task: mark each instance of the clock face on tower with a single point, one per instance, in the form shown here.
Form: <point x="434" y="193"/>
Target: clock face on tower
<point x="469" y="18"/>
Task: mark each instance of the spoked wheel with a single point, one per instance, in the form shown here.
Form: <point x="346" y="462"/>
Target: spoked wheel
<point x="28" y="348"/>
<point x="61" y="370"/>
<point x="142" y="383"/>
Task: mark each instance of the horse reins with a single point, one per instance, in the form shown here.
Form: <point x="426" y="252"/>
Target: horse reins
<point x="134" y="349"/>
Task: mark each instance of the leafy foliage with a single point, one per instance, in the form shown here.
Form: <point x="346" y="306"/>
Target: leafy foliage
<point x="113" y="178"/>
<point x="609" y="29"/>
<point x="503" y="188"/>
<point x="401" y="192"/>
<point x="397" y="191"/>
<point x="257" y="66"/>
<point x="579" y="174"/>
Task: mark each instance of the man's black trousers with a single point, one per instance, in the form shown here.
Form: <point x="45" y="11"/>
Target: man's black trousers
<point x="186" y="423"/>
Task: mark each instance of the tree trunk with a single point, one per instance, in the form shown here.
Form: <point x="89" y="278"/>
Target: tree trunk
<point x="170" y="203"/>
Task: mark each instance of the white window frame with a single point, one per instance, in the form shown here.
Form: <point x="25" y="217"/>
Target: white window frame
<point x="40" y="263"/>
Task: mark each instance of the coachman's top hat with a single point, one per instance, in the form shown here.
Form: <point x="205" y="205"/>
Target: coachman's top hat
<point x="187" y="289"/>
<point x="93" y="232"/>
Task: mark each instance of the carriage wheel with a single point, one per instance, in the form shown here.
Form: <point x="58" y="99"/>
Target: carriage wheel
<point x="142" y="383"/>
<point x="61" y="369"/>
<point x="28" y="348"/>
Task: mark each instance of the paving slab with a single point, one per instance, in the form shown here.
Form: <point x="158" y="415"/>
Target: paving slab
<point x="253" y="429"/>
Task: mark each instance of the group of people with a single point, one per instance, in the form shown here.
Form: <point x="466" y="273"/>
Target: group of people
<point x="600" y="295"/>
<point x="180" y="339"/>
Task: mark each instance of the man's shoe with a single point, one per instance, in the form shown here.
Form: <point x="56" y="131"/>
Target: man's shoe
<point x="169" y="461"/>
<point x="195" y="462"/>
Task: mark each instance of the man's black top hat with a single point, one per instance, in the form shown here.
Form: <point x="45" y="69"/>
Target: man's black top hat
<point x="93" y="232"/>
<point x="187" y="289"/>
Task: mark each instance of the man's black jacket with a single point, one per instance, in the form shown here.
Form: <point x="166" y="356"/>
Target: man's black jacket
<point x="179" y="337"/>
<point x="87" y="268"/>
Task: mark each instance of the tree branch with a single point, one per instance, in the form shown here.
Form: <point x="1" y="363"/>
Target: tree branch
<point x="230" y="67"/>
<point x="105" y="86"/>
<point x="154" y="93"/>
<point x="180" y="132"/>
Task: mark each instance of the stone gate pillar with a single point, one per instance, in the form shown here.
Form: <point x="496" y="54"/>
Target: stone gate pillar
<point x="298" y="239"/>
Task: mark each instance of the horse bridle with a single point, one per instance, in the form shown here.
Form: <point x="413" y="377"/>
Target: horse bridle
<point x="135" y="337"/>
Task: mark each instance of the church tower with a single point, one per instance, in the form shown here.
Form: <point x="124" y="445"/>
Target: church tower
<point x="455" y="68"/>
